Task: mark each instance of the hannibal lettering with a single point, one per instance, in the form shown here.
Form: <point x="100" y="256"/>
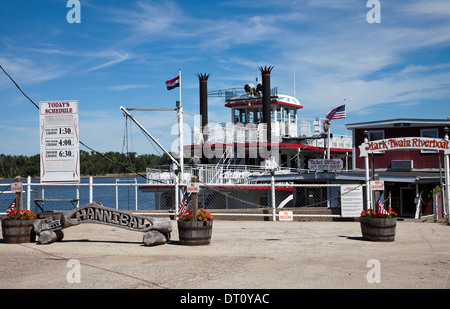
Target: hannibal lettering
<point x="95" y="214"/>
<point x="49" y="229"/>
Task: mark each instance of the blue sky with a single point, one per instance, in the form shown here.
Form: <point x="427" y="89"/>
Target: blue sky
<point x="122" y="52"/>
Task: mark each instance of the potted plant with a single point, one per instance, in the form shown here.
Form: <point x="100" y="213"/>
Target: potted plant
<point x="378" y="226"/>
<point x="18" y="226"/>
<point x="195" y="230"/>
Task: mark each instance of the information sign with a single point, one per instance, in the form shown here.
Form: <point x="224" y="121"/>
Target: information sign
<point x="351" y="200"/>
<point x="59" y="140"/>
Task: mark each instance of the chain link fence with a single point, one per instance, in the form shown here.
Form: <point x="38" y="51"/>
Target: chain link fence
<point x="224" y="201"/>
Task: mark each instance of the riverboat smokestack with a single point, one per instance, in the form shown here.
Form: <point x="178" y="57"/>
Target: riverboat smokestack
<point x="203" y="81"/>
<point x="265" y="72"/>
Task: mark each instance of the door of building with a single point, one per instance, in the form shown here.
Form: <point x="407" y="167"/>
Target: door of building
<point x="407" y="205"/>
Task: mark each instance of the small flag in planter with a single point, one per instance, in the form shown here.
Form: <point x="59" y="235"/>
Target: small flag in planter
<point x="183" y="204"/>
<point x="381" y="209"/>
<point x="11" y="207"/>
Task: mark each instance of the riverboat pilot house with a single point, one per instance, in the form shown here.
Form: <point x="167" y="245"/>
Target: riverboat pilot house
<point x="410" y="175"/>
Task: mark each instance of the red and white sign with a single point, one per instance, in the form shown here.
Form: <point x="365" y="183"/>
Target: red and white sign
<point x="16" y="187"/>
<point x="285" y="215"/>
<point x="420" y="143"/>
<point x="59" y="140"/>
<point x="325" y="164"/>
<point x="193" y="187"/>
<point x="376" y="185"/>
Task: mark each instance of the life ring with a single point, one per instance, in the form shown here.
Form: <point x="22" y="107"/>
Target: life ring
<point x="326" y="125"/>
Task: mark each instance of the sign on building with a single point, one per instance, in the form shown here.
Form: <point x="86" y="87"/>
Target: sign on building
<point x="325" y="164"/>
<point x="59" y="142"/>
<point x="376" y="185"/>
<point x="351" y="200"/>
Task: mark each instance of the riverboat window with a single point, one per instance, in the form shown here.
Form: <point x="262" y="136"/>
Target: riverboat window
<point x="239" y="115"/>
<point x="429" y="132"/>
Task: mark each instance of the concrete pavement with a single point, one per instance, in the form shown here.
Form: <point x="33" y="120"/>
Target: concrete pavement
<point x="242" y="255"/>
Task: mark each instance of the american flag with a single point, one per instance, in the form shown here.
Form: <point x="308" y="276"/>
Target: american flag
<point x="173" y="83"/>
<point x="337" y="113"/>
<point x="11" y="207"/>
<point x="183" y="204"/>
<point x="381" y="209"/>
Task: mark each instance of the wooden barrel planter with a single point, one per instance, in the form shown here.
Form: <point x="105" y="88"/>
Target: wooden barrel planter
<point x="18" y="231"/>
<point x="378" y="229"/>
<point x="195" y="233"/>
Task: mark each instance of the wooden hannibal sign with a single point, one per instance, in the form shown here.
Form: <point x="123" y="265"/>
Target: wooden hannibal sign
<point x="157" y="230"/>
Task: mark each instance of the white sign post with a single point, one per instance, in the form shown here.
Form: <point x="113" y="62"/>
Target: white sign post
<point x="351" y="200"/>
<point x="59" y="140"/>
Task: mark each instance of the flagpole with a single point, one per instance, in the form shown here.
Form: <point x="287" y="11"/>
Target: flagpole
<point x="345" y="124"/>
<point x="328" y="142"/>
<point x="180" y="131"/>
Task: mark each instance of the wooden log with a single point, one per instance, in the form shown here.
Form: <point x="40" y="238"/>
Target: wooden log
<point x="48" y="237"/>
<point x="155" y="237"/>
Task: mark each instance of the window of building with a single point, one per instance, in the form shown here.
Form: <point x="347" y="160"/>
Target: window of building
<point x="429" y="132"/>
<point x="376" y="135"/>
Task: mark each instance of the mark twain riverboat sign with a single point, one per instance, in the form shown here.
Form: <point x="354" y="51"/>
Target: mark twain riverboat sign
<point x="404" y="143"/>
<point x="50" y="229"/>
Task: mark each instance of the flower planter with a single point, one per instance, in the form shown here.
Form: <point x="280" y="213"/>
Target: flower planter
<point x="195" y="233"/>
<point x="18" y="231"/>
<point x="378" y="229"/>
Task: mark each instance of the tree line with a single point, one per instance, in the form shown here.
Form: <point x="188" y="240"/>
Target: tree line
<point x="91" y="164"/>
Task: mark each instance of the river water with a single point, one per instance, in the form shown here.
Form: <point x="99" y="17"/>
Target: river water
<point x="104" y="191"/>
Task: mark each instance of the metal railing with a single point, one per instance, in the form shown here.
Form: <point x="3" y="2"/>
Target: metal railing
<point x="229" y="201"/>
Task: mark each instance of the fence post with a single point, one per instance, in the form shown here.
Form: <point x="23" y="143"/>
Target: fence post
<point x="273" y="196"/>
<point x="136" y="192"/>
<point x="176" y="196"/>
<point x="19" y="197"/>
<point x="91" y="191"/>
<point x="29" y="193"/>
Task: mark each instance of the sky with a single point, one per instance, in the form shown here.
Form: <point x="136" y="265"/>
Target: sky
<point x="326" y="52"/>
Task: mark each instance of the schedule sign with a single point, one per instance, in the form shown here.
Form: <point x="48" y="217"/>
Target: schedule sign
<point x="59" y="139"/>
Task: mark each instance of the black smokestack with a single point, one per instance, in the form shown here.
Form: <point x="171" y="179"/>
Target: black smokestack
<point x="203" y="79"/>
<point x="265" y="72"/>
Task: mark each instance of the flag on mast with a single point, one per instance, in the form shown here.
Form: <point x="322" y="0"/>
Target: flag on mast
<point x="337" y="113"/>
<point x="173" y="83"/>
